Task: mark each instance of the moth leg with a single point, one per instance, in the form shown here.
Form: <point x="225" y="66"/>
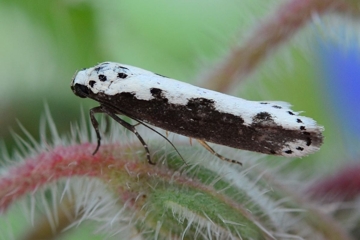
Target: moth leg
<point x="95" y="124"/>
<point x="107" y="124"/>
<point x="132" y="129"/>
<point x="140" y="122"/>
<point x="207" y="147"/>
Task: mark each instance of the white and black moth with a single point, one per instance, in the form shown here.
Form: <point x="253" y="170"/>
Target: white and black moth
<point x="208" y="116"/>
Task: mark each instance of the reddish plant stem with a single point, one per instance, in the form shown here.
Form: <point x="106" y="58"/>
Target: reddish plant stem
<point x="50" y="166"/>
<point x="314" y="216"/>
<point x="342" y="186"/>
<point x="274" y="31"/>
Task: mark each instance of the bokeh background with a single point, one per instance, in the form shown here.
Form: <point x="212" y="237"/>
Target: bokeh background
<point x="43" y="43"/>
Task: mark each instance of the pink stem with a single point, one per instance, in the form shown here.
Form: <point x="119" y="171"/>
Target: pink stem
<point x="50" y="166"/>
<point x="344" y="185"/>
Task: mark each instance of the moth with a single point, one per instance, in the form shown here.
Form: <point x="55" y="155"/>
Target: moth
<point x="260" y="126"/>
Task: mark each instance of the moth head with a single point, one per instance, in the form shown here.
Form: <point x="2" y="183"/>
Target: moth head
<point x="106" y="77"/>
<point x="78" y="84"/>
<point x="80" y="90"/>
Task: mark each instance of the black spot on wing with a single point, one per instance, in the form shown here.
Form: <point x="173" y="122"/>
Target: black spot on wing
<point x="264" y="103"/>
<point x="158" y="94"/>
<point x="122" y="75"/>
<point x="291" y="113"/>
<point x="308" y="141"/>
<point x="92" y="83"/>
<point x="298" y="120"/>
<point x="288" y="151"/>
<point x="302" y="128"/>
<point x="277" y="106"/>
<point x="300" y="148"/>
<point x="263" y="117"/>
<point x="102" y="78"/>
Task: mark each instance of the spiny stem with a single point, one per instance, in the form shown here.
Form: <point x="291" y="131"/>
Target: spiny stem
<point x="51" y="166"/>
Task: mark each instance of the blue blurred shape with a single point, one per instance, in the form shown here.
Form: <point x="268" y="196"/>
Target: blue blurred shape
<point x="341" y="69"/>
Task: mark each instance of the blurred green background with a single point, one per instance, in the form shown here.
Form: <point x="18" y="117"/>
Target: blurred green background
<point x="43" y="43"/>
